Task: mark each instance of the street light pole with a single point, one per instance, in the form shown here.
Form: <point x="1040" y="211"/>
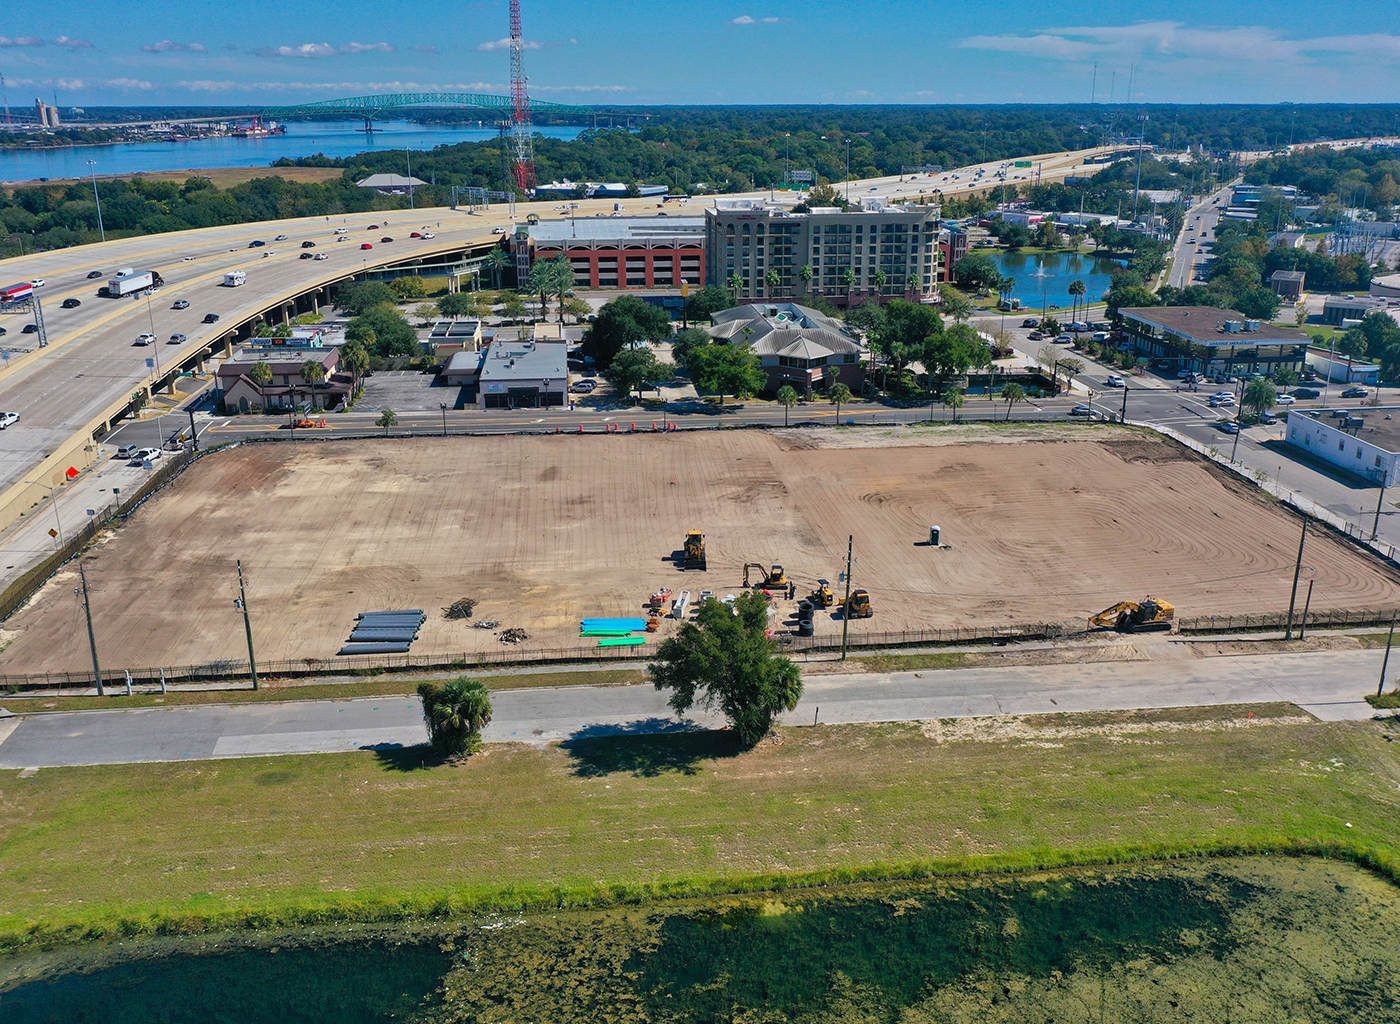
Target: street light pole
<point x="846" y="608"/>
<point x="98" y="198"/>
<point x="53" y="500"/>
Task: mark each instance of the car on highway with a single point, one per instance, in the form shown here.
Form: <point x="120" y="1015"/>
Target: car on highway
<point x="306" y="256"/>
<point x="8" y="418"/>
<point x="180" y="304"/>
<point x="428" y="234"/>
<point x="415" y="234"/>
<point x="145" y="339"/>
<point x="280" y="238"/>
<point x="343" y="238"/>
<point x="308" y="244"/>
<point x="1030" y="321"/>
<point x="1355" y="393"/>
<point x="1284" y="400"/>
<point x="319" y="256"/>
<point x="30" y="329"/>
<point x="177" y="339"/>
<point x="372" y="227"/>
<point x="342" y="231"/>
<point x="270" y="252"/>
<point x="94" y="275"/>
<point x="1115" y="381"/>
<point x="70" y="304"/>
<point x="386" y="238"/>
<point x="1227" y="426"/>
<point x="188" y="259"/>
<point x="211" y="318"/>
<point x="498" y="231"/>
<point x="1081" y="410"/>
<point x="2" y="331"/>
<point x="366" y="246"/>
<point x="146" y="455"/>
<point x="1306" y="393"/>
<point x="256" y="244"/>
<point x="38" y="282"/>
<point x="127" y="451"/>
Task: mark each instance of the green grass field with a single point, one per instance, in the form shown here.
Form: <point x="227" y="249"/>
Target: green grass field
<point x="365" y="835"/>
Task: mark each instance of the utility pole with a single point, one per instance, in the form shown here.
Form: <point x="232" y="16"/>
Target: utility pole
<point x="1386" y="661"/>
<point x="92" y="637"/>
<point x="194" y="434"/>
<point x="1122" y="416"/>
<point x="1380" y="503"/>
<point x="247" y="626"/>
<point x="1297" y="571"/>
<point x="846" y="608"/>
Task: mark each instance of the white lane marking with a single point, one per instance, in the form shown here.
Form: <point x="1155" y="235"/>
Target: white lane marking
<point x="7" y="726"/>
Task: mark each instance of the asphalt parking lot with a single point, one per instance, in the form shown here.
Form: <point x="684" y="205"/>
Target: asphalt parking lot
<point x="407" y="391"/>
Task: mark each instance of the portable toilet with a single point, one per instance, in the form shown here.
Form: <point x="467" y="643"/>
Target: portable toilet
<point x="935" y="534"/>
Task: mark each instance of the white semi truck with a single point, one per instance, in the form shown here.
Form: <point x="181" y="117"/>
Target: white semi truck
<point x="131" y="283"/>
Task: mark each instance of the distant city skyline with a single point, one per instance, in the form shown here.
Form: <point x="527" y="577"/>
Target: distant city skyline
<point x="770" y="51"/>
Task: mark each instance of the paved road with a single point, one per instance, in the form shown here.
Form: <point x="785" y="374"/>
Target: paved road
<point x="1191" y="252"/>
<point x="1327" y="684"/>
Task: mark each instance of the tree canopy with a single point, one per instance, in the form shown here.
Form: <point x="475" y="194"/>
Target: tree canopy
<point x="384" y="332"/>
<point x="621" y="322"/>
<point x="976" y="271"/>
<point x="358" y="296"/>
<point x="725" y="370"/>
<point x="633" y="368"/>
<point x="725" y="660"/>
<point x="455" y="713"/>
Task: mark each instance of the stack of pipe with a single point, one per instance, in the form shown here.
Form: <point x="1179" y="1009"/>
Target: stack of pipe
<point x="386" y="632"/>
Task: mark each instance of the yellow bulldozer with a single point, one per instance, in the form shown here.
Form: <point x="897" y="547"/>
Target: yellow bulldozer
<point x="1149" y="615"/>
<point x="858" y="607"/>
<point x="774" y="577"/>
<point x="694" y="551"/>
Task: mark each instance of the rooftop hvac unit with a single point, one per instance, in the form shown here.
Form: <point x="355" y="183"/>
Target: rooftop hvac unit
<point x="1253" y="325"/>
<point x="1232" y="327"/>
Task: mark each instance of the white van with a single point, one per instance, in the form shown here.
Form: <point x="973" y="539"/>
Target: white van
<point x="124" y="272"/>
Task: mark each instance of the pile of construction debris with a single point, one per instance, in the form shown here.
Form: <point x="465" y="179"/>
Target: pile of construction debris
<point x="486" y="623"/>
<point x="514" y="635"/>
<point x="460" y="609"/>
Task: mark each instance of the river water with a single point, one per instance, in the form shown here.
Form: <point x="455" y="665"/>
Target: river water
<point x="1046" y="279"/>
<point x="304" y="138"/>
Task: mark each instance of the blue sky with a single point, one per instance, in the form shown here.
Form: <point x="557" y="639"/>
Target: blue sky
<point x="747" y="51"/>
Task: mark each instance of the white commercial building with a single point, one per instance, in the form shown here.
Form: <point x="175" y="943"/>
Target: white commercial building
<point x="524" y="373"/>
<point x="1362" y="441"/>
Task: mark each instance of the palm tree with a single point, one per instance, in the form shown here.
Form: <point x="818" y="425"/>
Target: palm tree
<point x="736" y="285"/>
<point x="1260" y="396"/>
<point x="1076" y="289"/>
<point x="261" y="375"/>
<point x="1005" y="286"/>
<point x="496" y="260"/>
<point x="313" y="373"/>
<point x="954" y="399"/>
<point x="848" y="278"/>
<point x="455" y="714"/>
<point x="354" y="357"/>
<point x="388" y="418"/>
<point x="1013" y="393"/>
<point x="563" y="281"/>
<point x="806" y="274"/>
<point x="878" y="280"/>
<point x="838" y="393"/>
<point x="788" y="395"/>
<point x="773" y="280"/>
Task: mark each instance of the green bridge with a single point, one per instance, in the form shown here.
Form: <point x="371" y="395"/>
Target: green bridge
<point x="370" y="107"/>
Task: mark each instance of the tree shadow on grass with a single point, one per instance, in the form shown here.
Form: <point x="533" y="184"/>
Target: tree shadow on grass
<point x="396" y="758"/>
<point x="647" y="752"/>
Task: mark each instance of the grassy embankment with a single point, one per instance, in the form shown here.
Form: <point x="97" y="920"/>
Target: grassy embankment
<point x="256" y="842"/>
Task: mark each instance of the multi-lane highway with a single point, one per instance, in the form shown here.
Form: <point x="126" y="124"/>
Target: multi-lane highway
<point x="1191" y="254"/>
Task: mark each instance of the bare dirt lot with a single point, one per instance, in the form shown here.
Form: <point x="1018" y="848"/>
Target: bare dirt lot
<point x="545" y="531"/>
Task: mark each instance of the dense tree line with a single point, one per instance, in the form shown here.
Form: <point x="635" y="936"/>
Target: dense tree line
<point x="1367" y="178"/>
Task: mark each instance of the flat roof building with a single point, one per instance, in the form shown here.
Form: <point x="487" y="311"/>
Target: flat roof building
<point x="1365" y="442"/>
<point x="746" y="239"/>
<point x="1339" y="309"/>
<point x="523" y="373"/>
<point x="618" y="252"/>
<point x="390" y="184"/>
<point x="1288" y="284"/>
<point x="1212" y="341"/>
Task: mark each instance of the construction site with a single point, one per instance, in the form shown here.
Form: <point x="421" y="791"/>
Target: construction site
<point x="553" y="541"/>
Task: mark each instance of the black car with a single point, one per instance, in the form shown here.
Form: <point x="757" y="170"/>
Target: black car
<point x="386" y="238"/>
<point x="306" y="256"/>
<point x="1306" y="393"/>
<point x="211" y="318"/>
<point x="1355" y="393"/>
<point x="308" y="245"/>
<point x="30" y="329"/>
<point x="255" y="244"/>
<point x="70" y="303"/>
<point x="94" y="274"/>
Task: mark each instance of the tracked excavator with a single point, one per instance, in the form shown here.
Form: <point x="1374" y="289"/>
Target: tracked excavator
<point x="774" y="577"/>
<point x="1149" y="615"/>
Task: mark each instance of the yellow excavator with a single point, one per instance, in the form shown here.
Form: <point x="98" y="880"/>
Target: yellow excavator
<point x="773" y="577"/>
<point x="695" y="551"/>
<point x="1149" y="615"/>
<point x="859" y="605"/>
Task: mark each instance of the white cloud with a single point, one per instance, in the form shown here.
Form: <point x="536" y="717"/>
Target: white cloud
<point x="1159" y="41"/>
<point x="70" y="84"/>
<point x="128" y="84"/>
<point x="21" y="41"/>
<point x="76" y="44"/>
<point x="167" y="46"/>
<point x="323" y="50"/>
<point x="744" y="19"/>
<point x="504" y="44"/>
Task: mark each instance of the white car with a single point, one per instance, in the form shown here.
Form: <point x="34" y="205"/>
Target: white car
<point x="1115" y="381"/>
<point x="319" y="256"/>
<point x="498" y="231"/>
<point x="147" y="455"/>
<point x="342" y="231"/>
<point x="146" y="339"/>
<point x="280" y="238"/>
<point x="1285" y="400"/>
<point x="7" y="418"/>
<point x="428" y="234"/>
<point x="38" y="282"/>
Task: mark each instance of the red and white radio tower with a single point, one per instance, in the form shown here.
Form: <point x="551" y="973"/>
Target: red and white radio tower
<point x="521" y="130"/>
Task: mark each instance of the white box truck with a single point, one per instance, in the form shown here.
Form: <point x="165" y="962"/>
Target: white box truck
<point x="235" y="278"/>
